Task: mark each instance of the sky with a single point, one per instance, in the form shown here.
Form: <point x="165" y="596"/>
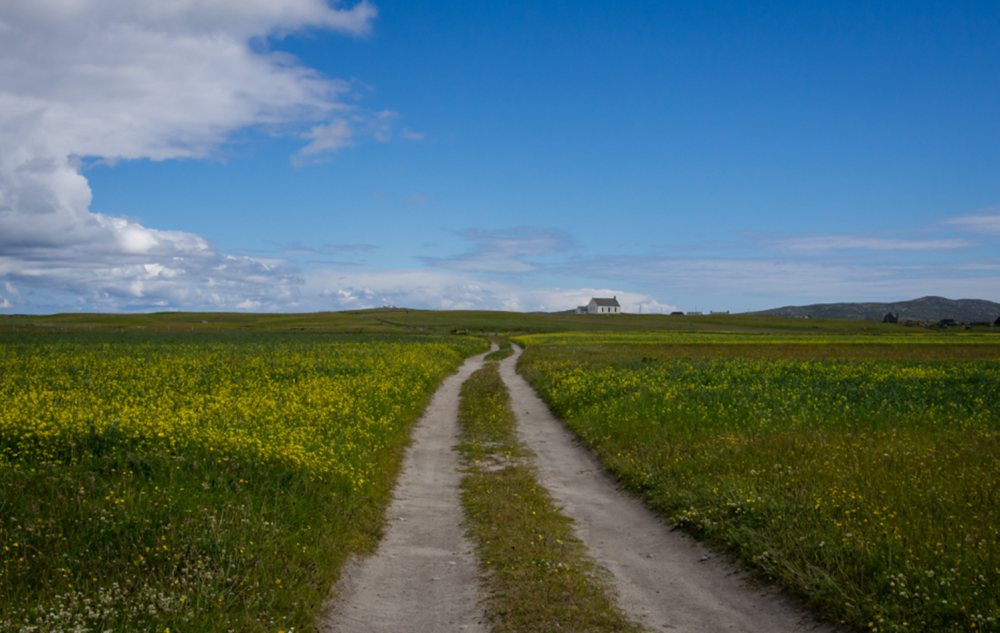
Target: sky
<point x="302" y="155"/>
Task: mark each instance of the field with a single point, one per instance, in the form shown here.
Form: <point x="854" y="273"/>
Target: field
<point x="212" y="472"/>
<point x="211" y="481"/>
<point x="860" y="472"/>
<point x="442" y="322"/>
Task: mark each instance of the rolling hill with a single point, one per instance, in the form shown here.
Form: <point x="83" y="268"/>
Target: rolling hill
<point x="922" y="309"/>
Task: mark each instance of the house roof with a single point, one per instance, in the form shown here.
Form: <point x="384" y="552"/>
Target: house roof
<point x="612" y="303"/>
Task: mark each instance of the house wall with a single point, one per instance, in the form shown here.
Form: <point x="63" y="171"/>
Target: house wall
<point x="593" y="308"/>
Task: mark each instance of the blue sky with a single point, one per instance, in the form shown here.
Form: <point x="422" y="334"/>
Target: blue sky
<point x="294" y="155"/>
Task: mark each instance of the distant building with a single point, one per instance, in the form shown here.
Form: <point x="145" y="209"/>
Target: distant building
<point x="697" y="313"/>
<point x="604" y="306"/>
<point x="714" y="312"/>
<point x="581" y="309"/>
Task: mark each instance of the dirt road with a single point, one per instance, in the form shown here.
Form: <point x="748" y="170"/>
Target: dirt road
<point x="424" y="576"/>
<point x="664" y="579"/>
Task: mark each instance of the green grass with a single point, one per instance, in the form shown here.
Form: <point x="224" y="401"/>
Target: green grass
<point x="793" y="340"/>
<point x="488" y="322"/>
<point x="866" y="486"/>
<point x="198" y="322"/>
<point x="126" y="542"/>
<point x="444" y="321"/>
<point x="207" y="482"/>
<point x="537" y="573"/>
<point x="234" y="522"/>
<point x="502" y="353"/>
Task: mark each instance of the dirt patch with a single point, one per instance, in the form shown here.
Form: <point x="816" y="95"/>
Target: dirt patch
<point x="665" y="580"/>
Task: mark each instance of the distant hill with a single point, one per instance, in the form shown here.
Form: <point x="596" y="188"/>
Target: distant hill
<point x="922" y="309"/>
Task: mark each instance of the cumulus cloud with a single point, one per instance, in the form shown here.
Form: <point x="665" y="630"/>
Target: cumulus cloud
<point x="504" y="250"/>
<point x="130" y="79"/>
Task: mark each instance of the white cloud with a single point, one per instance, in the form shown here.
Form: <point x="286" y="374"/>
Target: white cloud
<point x="325" y="138"/>
<point x="988" y="223"/>
<point x="130" y="79"/>
<point x="358" y="248"/>
<point x="445" y="290"/>
<point x="298" y="248"/>
<point x="504" y="250"/>
<point x="651" y="307"/>
<point x="823" y="243"/>
<point x="153" y="79"/>
<point x="411" y="136"/>
<point x="13" y="292"/>
<point x="381" y="125"/>
<point x="417" y="198"/>
<point x="757" y="279"/>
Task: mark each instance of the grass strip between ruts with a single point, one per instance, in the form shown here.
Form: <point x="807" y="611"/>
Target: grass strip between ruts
<point x="504" y="351"/>
<point x="537" y="574"/>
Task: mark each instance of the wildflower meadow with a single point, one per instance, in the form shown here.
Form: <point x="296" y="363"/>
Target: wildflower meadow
<point x="197" y="482"/>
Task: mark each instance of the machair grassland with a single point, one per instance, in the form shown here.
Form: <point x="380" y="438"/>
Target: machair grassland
<point x="199" y="472"/>
<point x="198" y="482"/>
<point x="861" y="474"/>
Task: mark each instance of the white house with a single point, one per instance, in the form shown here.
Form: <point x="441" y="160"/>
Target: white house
<point x="604" y="306"/>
